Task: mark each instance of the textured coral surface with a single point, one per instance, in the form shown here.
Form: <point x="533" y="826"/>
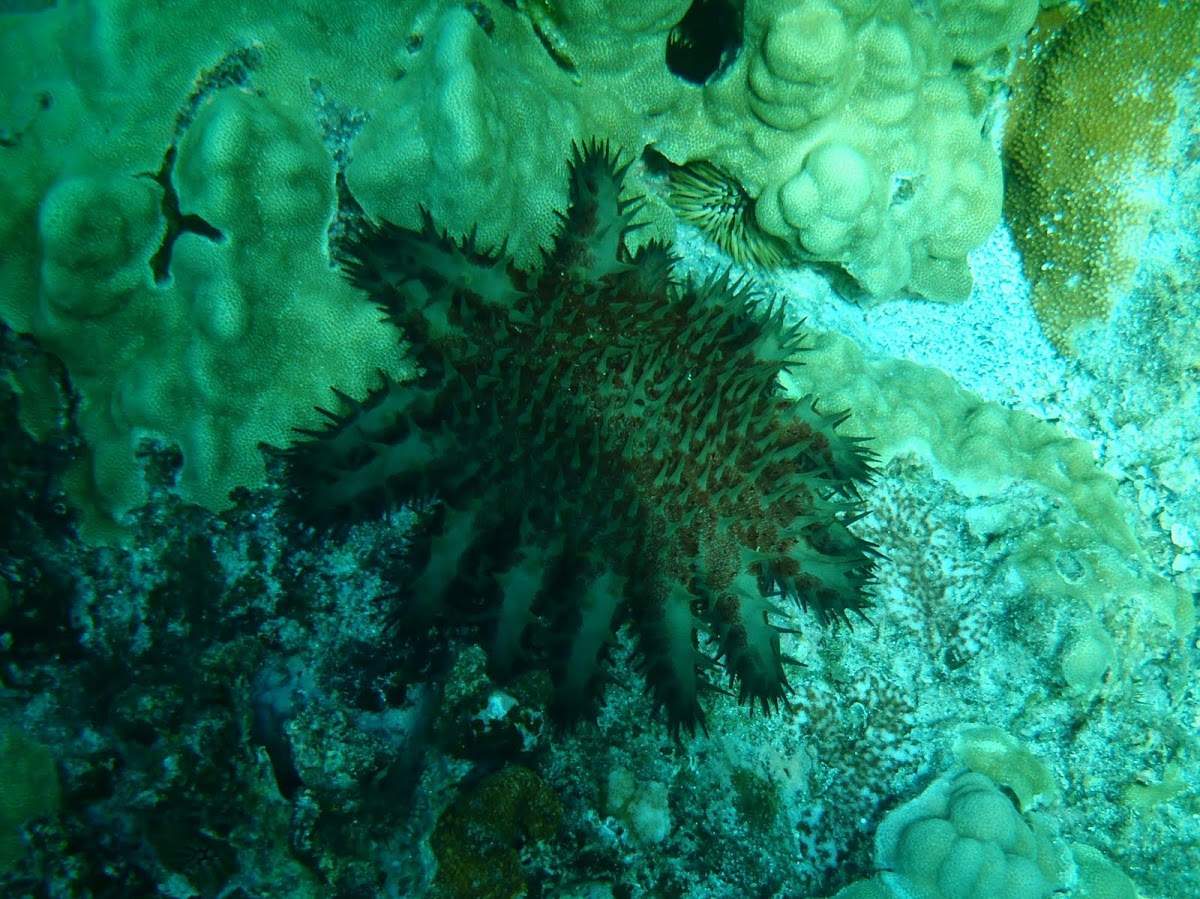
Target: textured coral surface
<point x="606" y="443"/>
<point x="1089" y="148"/>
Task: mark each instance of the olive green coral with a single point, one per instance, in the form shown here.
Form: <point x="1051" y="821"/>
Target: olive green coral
<point x="228" y="351"/>
<point x="1089" y="136"/>
<point x="476" y="840"/>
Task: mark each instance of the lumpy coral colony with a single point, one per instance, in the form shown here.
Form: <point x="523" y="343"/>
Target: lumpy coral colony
<point x="607" y="444"/>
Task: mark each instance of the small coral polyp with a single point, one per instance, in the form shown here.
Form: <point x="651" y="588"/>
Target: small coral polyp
<point x="608" y="446"/>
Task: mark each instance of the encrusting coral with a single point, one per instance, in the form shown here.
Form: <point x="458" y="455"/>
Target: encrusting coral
<point x="606" y="444"/>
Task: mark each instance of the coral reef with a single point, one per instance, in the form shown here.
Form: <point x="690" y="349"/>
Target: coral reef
<point x="250" y="674"/>
<point x="963" y="838"/>
<point x="147" y="190"/>
<point x="828" y="119"/>
<point x="1073" y="544"/>
<point x="116" y="111"/>
<point x="233" y="702"/>
<point x="824" y="114"/>
<point x="606" y="443"/>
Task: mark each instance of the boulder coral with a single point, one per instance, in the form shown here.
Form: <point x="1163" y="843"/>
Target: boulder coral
<point x="136" y="217"/>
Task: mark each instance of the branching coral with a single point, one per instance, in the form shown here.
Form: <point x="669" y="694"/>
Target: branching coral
<point x="608" y="444"/>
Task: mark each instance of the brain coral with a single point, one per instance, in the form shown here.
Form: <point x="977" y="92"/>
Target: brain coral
<point x="607" y="444"/>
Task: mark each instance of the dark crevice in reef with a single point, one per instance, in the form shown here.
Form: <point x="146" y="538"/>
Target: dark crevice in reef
<point x="609" y="447"/>
<point x="234" y="69"/>
<point x="177" y="221"/>
<point x="707" y="40"/>
<point x="231" y="70"/>
<point x="12" y="135"/>
<point x="482" y="15"/>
